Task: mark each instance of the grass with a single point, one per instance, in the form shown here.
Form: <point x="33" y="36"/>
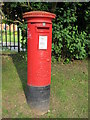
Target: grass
<point x="69" y="89"/>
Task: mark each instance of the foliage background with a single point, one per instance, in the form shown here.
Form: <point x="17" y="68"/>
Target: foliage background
<point x="70" y="28"/>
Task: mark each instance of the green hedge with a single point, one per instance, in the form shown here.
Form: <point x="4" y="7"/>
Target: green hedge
<point x="68" y="41"/>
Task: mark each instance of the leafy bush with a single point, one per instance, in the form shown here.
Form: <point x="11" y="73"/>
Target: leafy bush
<point x="68" y="42"/>
<point x="23" y="28"/>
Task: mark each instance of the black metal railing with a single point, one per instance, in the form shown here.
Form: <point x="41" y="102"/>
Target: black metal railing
<point x="10" y="38"/>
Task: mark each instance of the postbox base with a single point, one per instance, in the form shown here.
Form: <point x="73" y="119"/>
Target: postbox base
<point x="38" y="99"/>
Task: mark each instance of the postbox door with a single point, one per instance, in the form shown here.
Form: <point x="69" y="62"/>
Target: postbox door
<point x="43" y="71"/>
<point x="41" y="61"/>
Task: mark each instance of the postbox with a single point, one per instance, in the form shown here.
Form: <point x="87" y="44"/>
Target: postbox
<point x="39" y="36"/>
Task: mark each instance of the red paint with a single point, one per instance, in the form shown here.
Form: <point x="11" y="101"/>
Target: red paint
<point x="39" y="60"/>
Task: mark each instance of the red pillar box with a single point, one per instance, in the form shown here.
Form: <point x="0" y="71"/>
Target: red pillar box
<point x="39" y="59"/>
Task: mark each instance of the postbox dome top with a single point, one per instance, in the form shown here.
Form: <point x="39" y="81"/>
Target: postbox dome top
<point x="34" y="14"/>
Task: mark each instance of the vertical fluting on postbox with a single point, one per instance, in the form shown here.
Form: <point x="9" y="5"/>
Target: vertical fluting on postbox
<point x="39" y="44"/>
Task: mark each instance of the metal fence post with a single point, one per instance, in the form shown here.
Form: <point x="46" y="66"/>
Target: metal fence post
<point x="14" y="34"/>
<point x="10" y="35"/>
<point x="1" y="34"/>
<point x="18" y="38"/>
<point x="6" y="33"/>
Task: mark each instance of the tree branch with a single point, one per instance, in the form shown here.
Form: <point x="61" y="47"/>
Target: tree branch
<point x="54" y="4"/>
